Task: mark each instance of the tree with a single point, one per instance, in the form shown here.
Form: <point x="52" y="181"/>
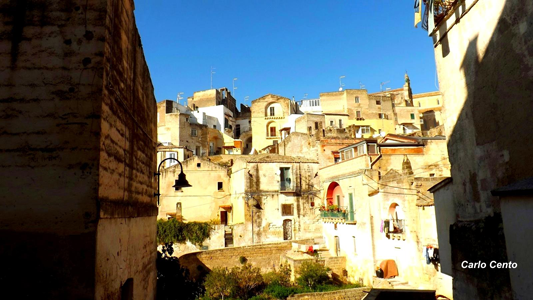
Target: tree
<point x="219" y="283"/>
<point x="249" y="280"/>
<point x="312" y="274"/>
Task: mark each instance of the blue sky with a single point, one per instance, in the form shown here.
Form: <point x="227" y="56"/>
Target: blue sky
<point x="288" y="48"/>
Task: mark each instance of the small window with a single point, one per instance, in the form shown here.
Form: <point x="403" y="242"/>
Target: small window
<point x="272" y="111"/>
<point x="215" y="126"/>
<point x="198" y="165"/>
<point x="357" y="99"/>
<point x="438" y="102"/>
<point x="272" y="131"/>
<point x="287" y="210"/>
<point x="360" y="150"/>
<point x="378" y="102"/>
<point x="340" y="123"/>
<point x="420" y="104"/>
<point x="220" y="186"/>
<point x="226" y="123"/>
<point x="316" y="125"/>
<point x="365" y="130"/>
<point x="382" y="116"/>
<point x="285" y="179"/>
<point x="358" y="114"/>
<point x="412" y="116"/>
<point x="194" y="132"/>
<point x="331" y="123"/>
<point x="372" y="149"/>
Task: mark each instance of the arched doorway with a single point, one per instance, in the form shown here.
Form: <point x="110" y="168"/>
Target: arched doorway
<point x="334" y="194"/>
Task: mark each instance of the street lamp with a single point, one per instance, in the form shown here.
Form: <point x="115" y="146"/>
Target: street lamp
<point x="179" y="183"/>
<point x="234" y="88"/>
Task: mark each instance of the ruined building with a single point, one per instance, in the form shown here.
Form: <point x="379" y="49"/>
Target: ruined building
<point x="78" y="153"/>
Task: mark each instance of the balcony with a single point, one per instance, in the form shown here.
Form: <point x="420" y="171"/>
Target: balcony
<point x="337" y="215"/>
<point x="394" y="228"/>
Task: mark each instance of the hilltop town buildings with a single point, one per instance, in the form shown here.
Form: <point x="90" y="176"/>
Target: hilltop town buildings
<point x="78" y="153"/>
<point x="331" y="169"/>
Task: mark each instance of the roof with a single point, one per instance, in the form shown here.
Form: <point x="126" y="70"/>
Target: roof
<point x="440" y="185"/>
<point x="422" y="95"/>
<point x="519" y="188"/>
<point x="275" y="158"/>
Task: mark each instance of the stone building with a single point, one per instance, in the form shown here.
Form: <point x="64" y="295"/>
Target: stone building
<point x="274" y="199"/>
<point x="375" y="207"/>
<point x="430" y="111"/>
<point x="268" y="115"/>
<point x="484" y="65"/>
<point x="78" y="153"/>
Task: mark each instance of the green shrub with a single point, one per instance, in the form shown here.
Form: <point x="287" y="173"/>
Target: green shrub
<point x="312" y="274"/>
<point x="280" y="277"/>
<point x="280" y="292"/>
<point x="249" y="281"/>
<point x="219" y="283"/>
<point x="175" y="231"/>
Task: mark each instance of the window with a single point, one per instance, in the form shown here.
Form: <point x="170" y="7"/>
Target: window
<point x="340" y="123"/>
<point x="348" y="154"/>
<point x="226" y="123"/>
<point x="331" y="123"/>
<point x="378" y="102"/>
<point x="215" y="126"/>
<point x="171" y="162"/>
<point x="420" y="104"/>
<point x="194" y="132"/>
<point x="360" y="150"/>
<point x="412" y="116"/>
<point x="316" y="125"/>
<point x="382" y="116"/>
<point x="358" y="114"/>
<point x="372" y="149"/>
<point x="285" y="179"/>
<point x="220" y="186"/>
<point x="272" y="111"/>
<point x="438" y="102"/>
<point x="237" y="130"/>
<point x="198" y="165"/>
<point x="365" y="129"/>
<point x="356" y="99"/>
<point x="287" y="210"/>
<point x="273" y="131"/>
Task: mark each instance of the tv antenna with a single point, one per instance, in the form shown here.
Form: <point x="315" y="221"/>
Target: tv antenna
<point x="212" y="72"/>
<point x="361" y="85"/>
<point x="382" y="84"/>
<point x="179" y="97"/>
<point x="340" y="82"/>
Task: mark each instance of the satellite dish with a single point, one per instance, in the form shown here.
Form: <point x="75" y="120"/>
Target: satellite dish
<point x="340" y="89"/>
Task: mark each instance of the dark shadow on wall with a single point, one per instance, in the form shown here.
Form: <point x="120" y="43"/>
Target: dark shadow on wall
<point x="489" y="146"/>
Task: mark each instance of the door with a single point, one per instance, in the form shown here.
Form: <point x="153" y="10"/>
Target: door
<point x="287" y="230"/>
<point x="337" y="246"/>
<point x="224" y="217"/>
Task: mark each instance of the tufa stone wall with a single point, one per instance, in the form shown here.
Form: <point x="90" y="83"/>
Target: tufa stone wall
<point x="348" y="294"/>
<point x="264" y="256"/>
<point x="78" y="122"/>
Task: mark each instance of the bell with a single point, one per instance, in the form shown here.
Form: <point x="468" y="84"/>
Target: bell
<point x="181" y="182"/>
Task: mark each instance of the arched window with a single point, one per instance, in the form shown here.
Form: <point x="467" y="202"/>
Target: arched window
<point x="271" y="129"/>
<point x="395" y="222"/>
<point x="274" y="110"/>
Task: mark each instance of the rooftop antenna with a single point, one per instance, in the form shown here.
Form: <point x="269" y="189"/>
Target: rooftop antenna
<point x="212" y="72"/>
<point x="179" y="97"/>
<point x="246" y="99"/>
<point x="234" y="88"/>
<point x="382" y="84"/>
<point x="340" y="82"/>
<point x="361" y="85"/>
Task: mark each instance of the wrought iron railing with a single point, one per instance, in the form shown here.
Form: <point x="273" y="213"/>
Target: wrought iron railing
<point x="338" y="213"/>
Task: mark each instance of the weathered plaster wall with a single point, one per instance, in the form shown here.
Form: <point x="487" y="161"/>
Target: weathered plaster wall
<point x="484" y="64"/>
<point x="260" y="119"/>
<point x="202" y="201"/>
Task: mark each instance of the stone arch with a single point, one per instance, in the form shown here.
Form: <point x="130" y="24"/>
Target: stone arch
<point x="278" y="109"/>
<point x="334" y="195"/>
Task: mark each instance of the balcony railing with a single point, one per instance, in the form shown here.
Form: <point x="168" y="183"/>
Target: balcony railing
<point x="394" y="226"/>
<point x="340" y="214"/>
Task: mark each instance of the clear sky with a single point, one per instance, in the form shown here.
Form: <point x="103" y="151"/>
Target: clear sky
<point x="288" y="48"/>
